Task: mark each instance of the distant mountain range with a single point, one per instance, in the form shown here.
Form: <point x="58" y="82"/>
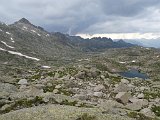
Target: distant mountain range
<point x="145" y="42"/>
<point x="95" y="44"/>
<point x="22" y="42"/>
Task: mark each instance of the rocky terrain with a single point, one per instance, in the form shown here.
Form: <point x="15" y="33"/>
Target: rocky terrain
<point x="77" y="92"/>
<point x="25" y="40"/>
<point x="50" y="76"/>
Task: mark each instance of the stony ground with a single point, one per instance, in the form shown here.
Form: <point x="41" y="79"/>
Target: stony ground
<point x="77" y="93"/>
<point x="85" y="88"/>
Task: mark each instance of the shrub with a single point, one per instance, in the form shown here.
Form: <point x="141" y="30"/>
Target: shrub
<point x="85" y="116"/>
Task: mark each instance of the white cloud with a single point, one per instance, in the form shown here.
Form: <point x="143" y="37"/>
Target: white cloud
<point x="124" y="35"/>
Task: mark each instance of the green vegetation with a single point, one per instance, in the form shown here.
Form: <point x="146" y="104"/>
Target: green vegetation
<point x="85" y="105"/>
<point x="115" y="79"/>
<point x="65" y="71"/>
<point x="70" y="103"/>
<point x="48" y="88"/>
<point x="36" y="77"/>
<point x="65" y="92"/>
<point x="139" y="116"/>
<point x="101" y="67"/>
<point x="23" y="103"/>
<point x="51" y="74"/>
<point x="151" y="95"/>
<point x="156" y="110"/>
<point x="86" y="116"/>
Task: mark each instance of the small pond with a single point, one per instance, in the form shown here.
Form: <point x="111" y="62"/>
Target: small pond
<point x="134" y="73"/>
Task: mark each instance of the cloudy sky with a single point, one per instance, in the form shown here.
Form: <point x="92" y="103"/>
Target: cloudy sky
<point x="122" y="17"/>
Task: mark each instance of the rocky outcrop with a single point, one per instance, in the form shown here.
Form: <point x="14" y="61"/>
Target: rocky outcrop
<point x="57" y="112"/>
<point x="82" y="90"/>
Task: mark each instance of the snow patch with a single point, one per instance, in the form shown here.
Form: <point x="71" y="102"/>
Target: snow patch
<point x="147" y="48"/>
<point x="2" y="49"/>
<point x="8" y="33"/>
<point x="1" y="30"/>
<point x="33" y="31"/>
<point x="133" y="61"/>
<point x="47" y="35"/>
<point x="20" y="54"/>
<point x="6" y="44"/>
<point x="24" y="27"/>
<point x="46" y="67"/>
<point x="12" y="40"/>
<point x="122" y="62"/>
<point x="38" y="34"/>
<point x="3" y="23"/>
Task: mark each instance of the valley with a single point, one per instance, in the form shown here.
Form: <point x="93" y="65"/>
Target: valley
<point x="56" y="76"/>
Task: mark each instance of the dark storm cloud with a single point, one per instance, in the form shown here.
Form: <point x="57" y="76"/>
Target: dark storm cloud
<point x="85" y="16"/>
<point x="126" y="7"/>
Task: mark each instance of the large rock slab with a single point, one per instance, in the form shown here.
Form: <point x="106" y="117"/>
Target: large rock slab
<point x="57" y="112"/>
<point x="6" y="87"/>
<point x="137" y="105"/>
<point x="23" y="82"/>
<point x="123" y="97"/>
<point x="99" y="88"/>
<point x="122" y="88"/>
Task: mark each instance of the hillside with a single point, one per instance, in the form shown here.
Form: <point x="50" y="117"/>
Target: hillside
<point x="54" y="76"/>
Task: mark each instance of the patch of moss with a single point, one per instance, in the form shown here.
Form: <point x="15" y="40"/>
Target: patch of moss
<point x="72" y="71"/>
<point x="36" y="77"/>
<point x="23" y="103"/>
<point x="51" y="74"/>
<point x="114" y="79"/>
<point x="65" y="92"/>
<point x="86" y="116"/>
<point x="151" y="95"/>
<point x="28" y="103"/>
<point x="139" y="116"/>
<point x="61" y="74"/>
<point x="156" y="110"/>
<point x="6" y="110"/>
<point x="85" y="105"/>
<point x="156" y="79"/>
<point x="66" y="102"/>
<point x="48" y="88"/>
<point x="101" y="67"/>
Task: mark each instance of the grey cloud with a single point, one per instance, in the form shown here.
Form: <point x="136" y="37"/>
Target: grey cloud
<point x="126" y="7"/>
<point x="85" y="16"/>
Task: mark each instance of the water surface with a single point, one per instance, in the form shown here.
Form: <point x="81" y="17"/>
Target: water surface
<point x="134" y="73"/>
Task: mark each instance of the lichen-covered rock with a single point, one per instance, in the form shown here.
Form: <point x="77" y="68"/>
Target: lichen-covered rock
<point x="125" y="81"/>
<point x="98" y="94"/>
<point x="137" y="105"/>
<point x="123" y="97"/>
<point x="6" y="87"/>
<point x="23" y="82"/>
<point x="121" y="88"/>
<point x="148" y="112"/>
<point x="58" y="112"/>
<point x="140" y="96"/>
<point x="99" y="88"/>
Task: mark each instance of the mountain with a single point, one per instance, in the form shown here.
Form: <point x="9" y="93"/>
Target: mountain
<point x="145" y="42"/>
<point x="54" y="76"/>
<point x="94" y="44"/>
<point x="23" y="42"/>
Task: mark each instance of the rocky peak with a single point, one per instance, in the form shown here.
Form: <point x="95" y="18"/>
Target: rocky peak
<point x="24" y="20"/>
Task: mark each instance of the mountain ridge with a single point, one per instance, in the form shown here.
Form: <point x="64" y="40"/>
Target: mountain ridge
<point x="24" y="40"/>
